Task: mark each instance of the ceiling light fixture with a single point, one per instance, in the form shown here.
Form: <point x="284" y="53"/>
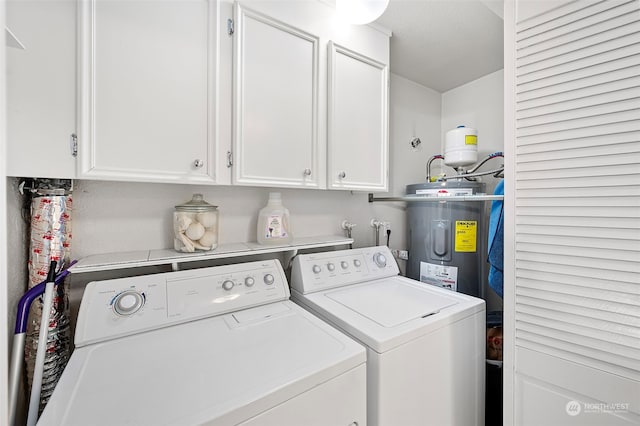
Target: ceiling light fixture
<point x="360" y="11"/>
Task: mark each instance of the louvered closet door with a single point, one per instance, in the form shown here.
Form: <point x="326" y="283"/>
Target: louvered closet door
<point x="577" y="215"/>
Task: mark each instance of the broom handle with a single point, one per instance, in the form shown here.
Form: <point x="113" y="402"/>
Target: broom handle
<point x="15" y="369"/>
<point x="36" y="386"/>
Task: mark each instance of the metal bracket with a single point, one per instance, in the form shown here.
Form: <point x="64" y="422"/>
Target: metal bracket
<point x="229" y="159"/>
<point x="443" y="199"/>
<point x="230" y="29"/>
<point x="45" y="186"/>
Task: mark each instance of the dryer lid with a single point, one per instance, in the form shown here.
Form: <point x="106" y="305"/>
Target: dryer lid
<point x="390" y="303"/>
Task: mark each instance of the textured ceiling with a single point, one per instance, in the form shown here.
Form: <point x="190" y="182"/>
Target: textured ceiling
<point x="443" y="44"/>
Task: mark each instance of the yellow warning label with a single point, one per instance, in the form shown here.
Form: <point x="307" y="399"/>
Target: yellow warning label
<point x="466" y="232"/>
<point x="471" y="140"/>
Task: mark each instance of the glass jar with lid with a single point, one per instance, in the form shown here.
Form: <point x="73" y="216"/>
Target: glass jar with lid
<point x="195" y="226"/>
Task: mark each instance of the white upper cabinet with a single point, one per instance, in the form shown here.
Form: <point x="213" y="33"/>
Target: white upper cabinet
<point x="166" y="91"/>
<point x="357" y="121"/>
<point x="276" y="102"/>
<point x="308" y="110"/>
<point x="148" y="91"/>
<point x="41" y="89"/>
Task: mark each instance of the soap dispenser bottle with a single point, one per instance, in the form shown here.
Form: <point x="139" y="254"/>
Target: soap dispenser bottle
<point x="273" y="222"/>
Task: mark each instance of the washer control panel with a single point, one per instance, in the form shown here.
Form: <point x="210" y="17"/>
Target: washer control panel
<point x="124" y="306"/>
<point x="319" y="271"/>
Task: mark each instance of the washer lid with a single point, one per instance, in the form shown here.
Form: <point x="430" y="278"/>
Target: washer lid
<point x="402" y="303"/>
<point x="389" y="312"/>
<point x="216" y="371"/>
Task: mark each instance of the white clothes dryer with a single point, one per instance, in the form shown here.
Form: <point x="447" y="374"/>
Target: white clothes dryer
<point x="210" y="346"/>
<point x="425" y="345"/>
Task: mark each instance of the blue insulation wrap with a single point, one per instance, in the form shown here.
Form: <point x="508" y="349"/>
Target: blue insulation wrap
<point x="496" y="243"/>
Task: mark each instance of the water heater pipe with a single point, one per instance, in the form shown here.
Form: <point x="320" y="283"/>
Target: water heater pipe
<point x="489" y="157"/>
<point x="435" y="157"/>
<point x="472" y="172"/>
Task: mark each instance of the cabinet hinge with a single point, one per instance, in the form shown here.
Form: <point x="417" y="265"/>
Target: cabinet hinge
<point x="229" y="159"/>
<point x="74" y="144"/>
<point x="230" y="28"/>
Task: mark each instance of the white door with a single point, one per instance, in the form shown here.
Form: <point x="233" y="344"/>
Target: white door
<point x="276" y="102"/>
<point x="148" y="90"/>
<point x="572" y="222"/>
<point x="357" y="121"/>
<point x="41" y="88"/>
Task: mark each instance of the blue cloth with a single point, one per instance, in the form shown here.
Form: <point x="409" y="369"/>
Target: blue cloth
<point x="496" y="243"/>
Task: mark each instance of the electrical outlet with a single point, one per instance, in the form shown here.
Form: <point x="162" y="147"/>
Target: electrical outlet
<point x="400" y="254"/>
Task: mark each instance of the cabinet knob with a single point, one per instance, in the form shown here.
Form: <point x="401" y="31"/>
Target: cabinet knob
<point x="342" y="175"/>
<point x="307" y="172"/>
<point x="198" y="163"/>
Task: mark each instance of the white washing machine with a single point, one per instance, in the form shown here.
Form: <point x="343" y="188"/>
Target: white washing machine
<point x="425" y="345"/>
<point x="214" y="346"/>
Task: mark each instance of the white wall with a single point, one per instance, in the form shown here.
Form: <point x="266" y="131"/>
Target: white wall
<point x="414" y="112"/>
<point x="478" y="104"/>
<point x="112" y="217"/>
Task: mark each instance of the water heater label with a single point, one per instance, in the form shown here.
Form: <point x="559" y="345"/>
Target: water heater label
<point x="466" y="233"/>
<point x="439" y="275"/>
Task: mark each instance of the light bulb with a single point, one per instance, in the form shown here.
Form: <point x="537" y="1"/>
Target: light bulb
<point x="360" y="11"/>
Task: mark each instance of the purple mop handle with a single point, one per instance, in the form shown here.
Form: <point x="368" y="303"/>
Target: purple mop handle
<point x="34" y="292"/>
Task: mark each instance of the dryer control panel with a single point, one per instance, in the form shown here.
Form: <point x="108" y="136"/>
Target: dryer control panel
<point x="125" y="306"/>
<point x="320" y="271"/>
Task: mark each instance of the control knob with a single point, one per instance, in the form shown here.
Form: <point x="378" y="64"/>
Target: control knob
<point x="357" y="263"/>
<point x="344" y="264"/>
<point x="249" y="281"/>
<point x="331" y="267"/>
<point x="316" y="269"/>
<point x="128" y="302"/>
<point x="380" y="260"/>
<point x="268" y="279"/>
<point x="227" y="285"/>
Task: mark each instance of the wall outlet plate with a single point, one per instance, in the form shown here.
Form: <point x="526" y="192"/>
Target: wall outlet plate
<point x="400" y="254"/>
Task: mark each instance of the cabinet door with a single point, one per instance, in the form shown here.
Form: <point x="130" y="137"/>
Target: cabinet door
<point x="571" y="216"/>
<point x="41" y="89"/>
<point x="357" y="121"/>
<point x="148" y="90"/>
<point x="275" y="120"/>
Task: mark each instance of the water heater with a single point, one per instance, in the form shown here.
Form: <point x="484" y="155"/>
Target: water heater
<point x="445" y="238"/>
